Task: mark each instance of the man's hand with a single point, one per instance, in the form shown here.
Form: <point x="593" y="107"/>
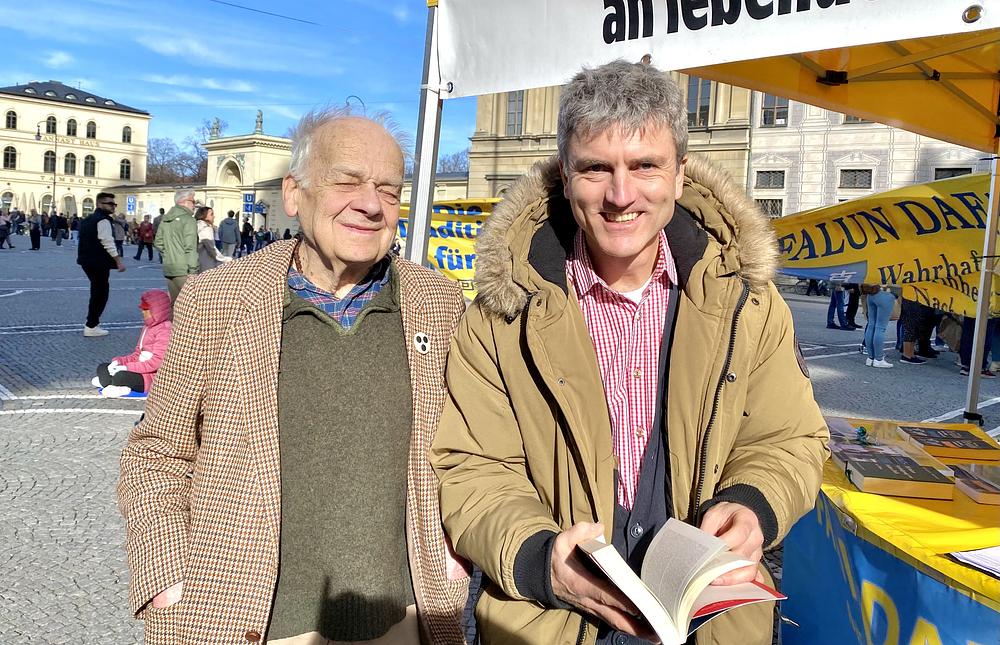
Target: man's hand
<point x="169" y="596"/>
<point x="121" y="265"/>
<point x="737" y="526"/>
<point x="573" y="583"/>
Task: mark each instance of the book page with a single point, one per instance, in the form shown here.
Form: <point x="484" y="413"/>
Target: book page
<point x="675" y="556"/>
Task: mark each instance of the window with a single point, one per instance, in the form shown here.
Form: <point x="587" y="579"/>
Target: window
<point x="46" y="203"/>
<point x="49" y="93"/>
<point x="90" y="99"/>
<point x="770" y="179"/>
<point x="88" y="206"/>
<point x="6" y="200"/>
<point x="71" y="96"/>
<point x="91" y="130"/>
<point x="89" y="166"/>
<point x="699" y="101"/>
<point x="774" y="113"/>
<point x="69" y="163"/>
<point x="71" y="128"/>
<point x="12" y="120"/>
<point x="947" y="173"/>
<point x="850" y="118"/>
<point x="9" y="158"/>
<point x="125" y="171"/>
<point x="515" y="113"/>
<point x="30" y="90"/>
<point x="49" y="163"/>
<point x="126" y="134"/>
<point x="50" y="125"/>
<point x="770" y="207"/>
<point x="855" y="178"/>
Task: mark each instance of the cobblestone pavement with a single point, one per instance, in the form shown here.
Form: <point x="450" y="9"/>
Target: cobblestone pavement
<point x="62" y="561"/>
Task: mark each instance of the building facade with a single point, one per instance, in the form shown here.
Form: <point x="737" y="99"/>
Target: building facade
<point x="62" y="145"/>
<point x="805" y="157"/>
<point x="514" y="130"/>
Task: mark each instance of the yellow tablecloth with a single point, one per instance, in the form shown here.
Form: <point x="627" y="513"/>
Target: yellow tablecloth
<point x="922" y="530"/>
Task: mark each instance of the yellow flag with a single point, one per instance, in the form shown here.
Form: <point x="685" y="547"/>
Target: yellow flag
<point x="927" y="238"/>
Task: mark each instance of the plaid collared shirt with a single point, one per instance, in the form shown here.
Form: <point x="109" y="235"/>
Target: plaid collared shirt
<point x="343" y="310"/>
<point x="627" y="339"/>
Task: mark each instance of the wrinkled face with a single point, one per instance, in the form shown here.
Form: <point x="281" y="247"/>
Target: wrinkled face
<point x="622" y="189"/>
<point x="349" y="207"/>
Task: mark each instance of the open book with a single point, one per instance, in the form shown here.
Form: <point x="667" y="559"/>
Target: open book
<point x="674" y="592"/>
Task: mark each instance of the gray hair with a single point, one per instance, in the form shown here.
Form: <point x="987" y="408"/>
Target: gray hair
<point x="304" y="133"/>
<point x="623" y="95"/>
<point x="183" y="194"/>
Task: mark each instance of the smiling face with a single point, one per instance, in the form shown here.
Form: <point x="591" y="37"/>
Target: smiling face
<point x="349" y="206"/>
<point x="622" y="189"/>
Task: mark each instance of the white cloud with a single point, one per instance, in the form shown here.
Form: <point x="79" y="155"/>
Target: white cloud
<point x="401" y="13"/>
<point x="58" y="59"/>
<point x="203" y="83"/>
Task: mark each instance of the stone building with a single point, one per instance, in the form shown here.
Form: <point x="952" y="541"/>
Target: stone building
<point x="63" y="144"/>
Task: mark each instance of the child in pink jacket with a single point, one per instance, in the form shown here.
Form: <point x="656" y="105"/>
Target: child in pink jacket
<point x="135" y="372"/>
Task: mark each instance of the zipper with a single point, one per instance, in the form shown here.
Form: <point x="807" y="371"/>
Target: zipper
<point x="582" y="636"/>
<point x="702" y="460"/>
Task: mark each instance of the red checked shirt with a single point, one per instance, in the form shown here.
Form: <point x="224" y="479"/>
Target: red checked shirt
<point x="627" y="338"/>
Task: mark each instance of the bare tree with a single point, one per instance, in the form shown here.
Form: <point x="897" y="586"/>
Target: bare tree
<point x="455" y="162"/>
<point x="162" y="162"/>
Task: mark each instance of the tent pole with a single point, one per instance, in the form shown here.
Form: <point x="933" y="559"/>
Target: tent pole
<point x="428" y="129"/>
<point x="983" y="302"/>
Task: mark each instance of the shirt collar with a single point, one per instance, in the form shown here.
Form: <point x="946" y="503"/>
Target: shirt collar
<point x="585" y="278"/>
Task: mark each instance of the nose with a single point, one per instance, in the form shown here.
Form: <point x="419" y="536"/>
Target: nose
<point x="366" y="199"/>
<point x="622" y="191"/>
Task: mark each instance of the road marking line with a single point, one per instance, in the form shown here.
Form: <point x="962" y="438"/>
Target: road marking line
<point x="995" y="432"/>
<point x="66" y="325"/>
<point x="954" y="413"/>
<point x="813" y="358"/>
<point x="67" y="329"/>
<point x="13" y="293"/>
<point x="69" y="411"/>
<point x="6" y="395"/>
<point x="53" y="397"/>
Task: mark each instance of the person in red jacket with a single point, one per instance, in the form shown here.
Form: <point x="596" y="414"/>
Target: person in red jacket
<point x="145" y="238"/>
<point x="134" y="372"/>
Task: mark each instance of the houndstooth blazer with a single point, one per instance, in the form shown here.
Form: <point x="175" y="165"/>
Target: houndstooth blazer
<point x="200" y="483"/>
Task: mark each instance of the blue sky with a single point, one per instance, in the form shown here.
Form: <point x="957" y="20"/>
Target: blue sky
<point x="188" y="60"/>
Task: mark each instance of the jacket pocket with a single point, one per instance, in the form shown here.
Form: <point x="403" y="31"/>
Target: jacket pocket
<point x="161" y="625"/>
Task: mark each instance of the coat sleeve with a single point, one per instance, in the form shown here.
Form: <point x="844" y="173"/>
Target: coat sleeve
<point x="489" y="506"/>
<point x="191" y="246"/>
<point x="156" y="344"/>
<point x="158" y="461"/>
<point x="776" y="465"/>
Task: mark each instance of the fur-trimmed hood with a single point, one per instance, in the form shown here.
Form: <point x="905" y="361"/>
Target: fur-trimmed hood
<point x="712" y="205"/>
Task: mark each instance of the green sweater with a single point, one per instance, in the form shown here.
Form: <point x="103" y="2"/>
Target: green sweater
<point x="344" y="417"/>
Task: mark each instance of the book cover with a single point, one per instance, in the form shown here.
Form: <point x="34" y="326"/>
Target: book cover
<point x="981" y="483"/>
<point x="887" y="469"/>
<point x="949" y="442"/>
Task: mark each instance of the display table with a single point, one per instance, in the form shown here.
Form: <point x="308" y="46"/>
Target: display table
<point x="872" y="569"/>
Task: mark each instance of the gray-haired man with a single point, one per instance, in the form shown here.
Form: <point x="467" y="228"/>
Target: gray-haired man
<point x="177" y="241"/>
<point x="627" y="361"/>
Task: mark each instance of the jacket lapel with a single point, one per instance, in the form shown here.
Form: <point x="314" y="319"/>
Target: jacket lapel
<point x="256" y="341"/>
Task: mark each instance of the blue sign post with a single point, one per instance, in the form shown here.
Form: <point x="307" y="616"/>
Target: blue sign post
<point x="247" y="202"/>
<point x="130" y="203"/>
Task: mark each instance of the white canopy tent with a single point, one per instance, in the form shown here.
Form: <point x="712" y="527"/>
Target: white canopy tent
<point x="929" y="66"/>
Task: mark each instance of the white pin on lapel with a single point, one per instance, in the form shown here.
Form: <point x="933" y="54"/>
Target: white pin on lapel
<point x="422" y="342"/>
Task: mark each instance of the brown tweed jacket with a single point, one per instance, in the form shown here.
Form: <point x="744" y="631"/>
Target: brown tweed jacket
<point x="200" y="482"/>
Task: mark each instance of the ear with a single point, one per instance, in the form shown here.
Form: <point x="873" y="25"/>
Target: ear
<point x="290" y="195"/>
<point x="679" y="179"/>
<point x="565" y="180"/>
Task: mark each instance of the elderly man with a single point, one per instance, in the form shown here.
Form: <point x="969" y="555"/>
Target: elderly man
<point x="627" y="361"/>
<point x="177" y="241"/>
<point x="278" y="486"/>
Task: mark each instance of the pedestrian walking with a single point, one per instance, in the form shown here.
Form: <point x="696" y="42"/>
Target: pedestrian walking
<point x="229" y="234"/>
<point x="97" y="254"/>
<point x="119" y="228"/>
<point x="135" y="372"/>
<point x="300" y="390"/>
<point x="209" y="256"/>
<point x="145" y="236"/>
<point x="35" y="230"/>
<point x="880" y="300"/>
<point x="247" y="237"/>
<point x="837" y="307"/>
<point x="5" y="229"/>
<point x="177" y="240"/>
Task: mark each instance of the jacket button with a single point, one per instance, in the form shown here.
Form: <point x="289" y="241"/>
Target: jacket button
<point x="562" y="381"/>
<point x="636" y="530"/>
<point x="755" y="301"/>
<point x="252" y="636"/>
<point x="731" y="377"/>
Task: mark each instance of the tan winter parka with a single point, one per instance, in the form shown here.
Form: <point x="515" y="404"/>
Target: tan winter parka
<point x="524" y="443"/>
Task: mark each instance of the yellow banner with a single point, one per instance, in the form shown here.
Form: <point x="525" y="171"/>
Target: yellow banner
<point x="455" y="227"/>
<point x="927" y="238"/>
